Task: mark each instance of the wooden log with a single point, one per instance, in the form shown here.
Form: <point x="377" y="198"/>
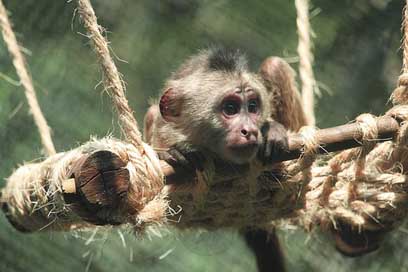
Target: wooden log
<point x="341" y="138"/>
<point x="101" y="181"/>
<point x="329" y="140"/>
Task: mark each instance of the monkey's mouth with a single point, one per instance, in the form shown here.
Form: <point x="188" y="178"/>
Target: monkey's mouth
<point x="243" y="152"/>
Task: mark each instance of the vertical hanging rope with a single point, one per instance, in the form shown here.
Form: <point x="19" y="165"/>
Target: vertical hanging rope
<point x="306" y="59"/>
<point x="112" y="80"/>
<point x="405" y="39"/>
<point x="400" y="94"/>
<point x="26" y="81"/>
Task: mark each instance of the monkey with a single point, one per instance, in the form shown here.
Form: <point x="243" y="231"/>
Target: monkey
<point x="214" y="94"/>
<point x="243" y="115"/>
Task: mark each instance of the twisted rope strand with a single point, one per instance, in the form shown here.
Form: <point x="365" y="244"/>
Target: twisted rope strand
<point x="404" y="30"/>
<point x="305" y="59"/>
<point x="112" y="80"/>
<point x="400" y="94"/>
<point x="25" y="78"/>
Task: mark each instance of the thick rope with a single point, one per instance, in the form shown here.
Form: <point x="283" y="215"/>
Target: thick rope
<point x="112" y="80"/>
<point x="34" y="192"/>
<point x="25" y="78"/>
<point x="305" y="60"/>
<point x="405" y="39"/>
<point x="354" y="187"/>
<point x="342" y="160"/>
<point x="308" y="157"/>
<point x="368" y="126"/>
<point x="145" y="192"/>
<point x="400" y="94"/>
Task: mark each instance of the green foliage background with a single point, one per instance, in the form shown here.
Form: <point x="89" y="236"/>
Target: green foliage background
<point x="357" y="61"/>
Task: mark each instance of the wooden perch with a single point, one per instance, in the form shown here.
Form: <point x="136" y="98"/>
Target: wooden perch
<point x="329" y="140"/>
<point x="101" y="178"/>
<point x="106" y="182"/>
<point x="341" y="138"/>
<point x="93" y="177"/>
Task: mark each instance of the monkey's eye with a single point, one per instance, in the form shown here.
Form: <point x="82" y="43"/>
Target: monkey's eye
<point x="230" y="107"/>
<point x="253" y="106"/>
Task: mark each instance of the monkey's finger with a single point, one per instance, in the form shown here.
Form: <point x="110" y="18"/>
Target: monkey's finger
<point x="178" y="158"/>
<point x="197" y="159"/>
<point x="280" y="148"/>
<point x="264" y="152"/>
<point x="269" y="149"/>
<point x="164" y="156"/>
<point x="187" y="157"/>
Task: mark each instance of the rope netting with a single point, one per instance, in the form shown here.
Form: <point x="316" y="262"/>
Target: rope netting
<point x="108" y="181"/>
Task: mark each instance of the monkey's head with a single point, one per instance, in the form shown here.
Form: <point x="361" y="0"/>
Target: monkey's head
<point x="217" y="104"/>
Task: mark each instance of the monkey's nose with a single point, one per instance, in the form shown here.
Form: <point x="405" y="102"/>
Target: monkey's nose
<point x="249" y="133"/>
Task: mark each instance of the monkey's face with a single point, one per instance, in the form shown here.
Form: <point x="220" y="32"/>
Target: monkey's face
<point x="240" y="114"/>
<point x="222" y="112"/>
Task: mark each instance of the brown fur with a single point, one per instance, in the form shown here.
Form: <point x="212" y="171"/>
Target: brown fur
<point x="200" y="89"/>
<point x="284" y="98"/>
<point x="276" y="82"/>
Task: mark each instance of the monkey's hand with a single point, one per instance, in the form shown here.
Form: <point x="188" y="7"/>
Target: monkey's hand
<point x="274" y="143"/>
<point x="185" y="159"/>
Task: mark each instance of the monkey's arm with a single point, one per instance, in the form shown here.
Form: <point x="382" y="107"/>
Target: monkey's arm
<point x="286" y="113"/>
<point x="285" y="103"/>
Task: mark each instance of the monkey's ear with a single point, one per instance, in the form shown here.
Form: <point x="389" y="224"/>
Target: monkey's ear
<point x="170" y="105"/>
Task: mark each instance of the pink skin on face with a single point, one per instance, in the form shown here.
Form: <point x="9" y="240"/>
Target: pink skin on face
<point x="240" y="112"/>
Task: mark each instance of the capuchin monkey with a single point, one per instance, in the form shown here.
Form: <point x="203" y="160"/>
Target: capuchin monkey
<point x="214" y="103"/>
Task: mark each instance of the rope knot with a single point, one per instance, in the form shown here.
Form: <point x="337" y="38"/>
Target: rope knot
<point x="399" y="112"/>
<point x="369" y="130"/>
<point x="309" y="151"/>
<point x="310" y="142"/>
<point x="400" y="94"/>
<point x="403" y="80"/>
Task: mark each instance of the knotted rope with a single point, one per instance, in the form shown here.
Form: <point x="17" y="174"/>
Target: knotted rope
<point x="356" y="187"/>
<point x="34" y="197"/>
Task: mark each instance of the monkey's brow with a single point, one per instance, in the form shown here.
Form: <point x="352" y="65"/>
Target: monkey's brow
<point x="244" y="88"/>
<point x="245" y="91"/>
